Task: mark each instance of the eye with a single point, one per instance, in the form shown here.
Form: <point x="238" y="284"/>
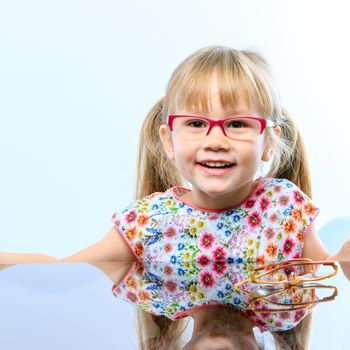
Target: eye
<point x="236" y="123"/>
<point x="197" y="123"/>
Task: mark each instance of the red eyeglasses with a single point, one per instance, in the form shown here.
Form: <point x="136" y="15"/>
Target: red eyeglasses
<point x="239" y="128"/>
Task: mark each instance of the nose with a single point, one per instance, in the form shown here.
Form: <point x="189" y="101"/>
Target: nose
<point x="218" y="124"/>
<point x="216" y="139"/>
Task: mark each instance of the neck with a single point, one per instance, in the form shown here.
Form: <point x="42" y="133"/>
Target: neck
<point x="202" y="200"/>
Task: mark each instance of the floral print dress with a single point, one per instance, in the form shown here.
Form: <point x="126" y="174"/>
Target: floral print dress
<point x="189" y="257"/>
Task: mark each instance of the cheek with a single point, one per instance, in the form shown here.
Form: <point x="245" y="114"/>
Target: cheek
<point x="183" y="152"/>
<point x="258" y="148"/>
<point x="249" y="153"/>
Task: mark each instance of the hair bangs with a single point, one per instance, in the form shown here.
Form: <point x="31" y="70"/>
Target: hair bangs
<point x="194" y="92"/>
<point x="239" y="77"/>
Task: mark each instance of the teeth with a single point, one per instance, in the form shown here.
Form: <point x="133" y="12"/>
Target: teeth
<point x="216" y="163"/>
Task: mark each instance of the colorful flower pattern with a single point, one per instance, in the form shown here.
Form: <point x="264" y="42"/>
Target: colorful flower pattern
<point x="162" y="230"/>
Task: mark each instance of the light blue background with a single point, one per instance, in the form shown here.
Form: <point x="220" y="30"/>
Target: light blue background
<point x="77" y="79"/>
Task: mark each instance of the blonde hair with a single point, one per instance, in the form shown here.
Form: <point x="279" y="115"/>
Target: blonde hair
<point x="188" y="87"/>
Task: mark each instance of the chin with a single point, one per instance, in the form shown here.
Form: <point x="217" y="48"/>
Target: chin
<point x="217" y="191"/>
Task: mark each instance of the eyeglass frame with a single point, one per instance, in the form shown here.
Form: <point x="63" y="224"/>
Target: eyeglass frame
<point x="296" y="284"/>
<point x="264" y="123"/>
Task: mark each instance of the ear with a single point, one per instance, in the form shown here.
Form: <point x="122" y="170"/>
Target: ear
<point x="268" y="153"/>
<point x="167" y="141"/>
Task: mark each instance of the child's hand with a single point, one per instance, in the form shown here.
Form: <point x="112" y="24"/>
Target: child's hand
<point x="343" y="256"/>
<point x="344" y="253"/>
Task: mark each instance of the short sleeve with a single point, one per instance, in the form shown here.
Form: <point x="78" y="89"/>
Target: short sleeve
<point x="127" y="223"/>
<point x="303" y="211"/>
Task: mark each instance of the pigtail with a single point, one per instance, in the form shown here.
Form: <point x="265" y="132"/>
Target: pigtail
<point x="291" y="162"/>
<point x="290" y="157"/>
<point x="159" y="332"/>
<point x="297" y="338"/>
<point x="156" y="173"/>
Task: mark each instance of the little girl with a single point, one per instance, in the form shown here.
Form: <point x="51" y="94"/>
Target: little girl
<point x="219" y="120"/>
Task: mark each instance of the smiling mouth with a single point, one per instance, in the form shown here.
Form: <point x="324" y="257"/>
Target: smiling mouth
<point x="217" y="166"/>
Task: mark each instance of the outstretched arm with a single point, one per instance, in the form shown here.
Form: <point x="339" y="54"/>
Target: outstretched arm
<point x="111" y="255"/>
<point x="111" y="248"/>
